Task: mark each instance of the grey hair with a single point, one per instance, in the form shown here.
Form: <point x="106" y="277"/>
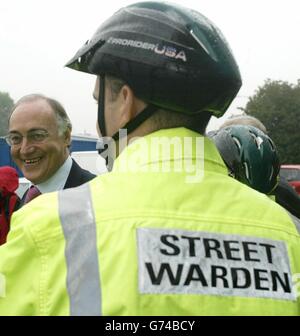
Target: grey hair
<point x="245" y="120"/>
<point x="63" y="120"/>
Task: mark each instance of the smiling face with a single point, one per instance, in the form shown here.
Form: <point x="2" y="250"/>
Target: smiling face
<point x="38" y="161"/>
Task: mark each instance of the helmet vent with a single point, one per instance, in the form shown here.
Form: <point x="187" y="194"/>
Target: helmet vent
<point x="198" y="41"/>
<point x="272" y="172"/>
<point x="271" y="145"/>
<point x="257" y="139"/>
<point x="246" y="170"/>
<point x="237" y="142"/>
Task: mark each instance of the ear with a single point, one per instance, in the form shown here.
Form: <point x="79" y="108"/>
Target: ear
<point x="127" y="106"/>
<point x="67" y="137"/>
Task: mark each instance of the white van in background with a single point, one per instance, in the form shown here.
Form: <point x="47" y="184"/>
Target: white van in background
<point x="91" y="161"/>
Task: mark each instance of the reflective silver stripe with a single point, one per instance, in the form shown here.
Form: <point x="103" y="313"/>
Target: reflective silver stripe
<point x="296" y="221"/>
<point x="79" y="227"/>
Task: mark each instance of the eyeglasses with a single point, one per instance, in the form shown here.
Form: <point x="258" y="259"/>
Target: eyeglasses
<point x="36" y="136"/>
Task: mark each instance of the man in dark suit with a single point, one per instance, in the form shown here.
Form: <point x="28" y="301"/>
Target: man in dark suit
<point x="40" y="137"/>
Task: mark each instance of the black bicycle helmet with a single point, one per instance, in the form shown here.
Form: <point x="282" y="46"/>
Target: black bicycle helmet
<point x="171" y="57"/>
<point x="250" y="156"/>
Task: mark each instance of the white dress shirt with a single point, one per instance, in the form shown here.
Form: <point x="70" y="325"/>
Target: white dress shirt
<point x="58" y="180"/>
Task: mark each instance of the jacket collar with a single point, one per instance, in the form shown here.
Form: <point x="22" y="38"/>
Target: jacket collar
<point x="177" y="145"/>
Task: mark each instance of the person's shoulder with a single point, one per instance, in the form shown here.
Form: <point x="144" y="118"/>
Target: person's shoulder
<point x="77" y="176"/>
<point x="85" y="174"/>
<point x="251" y="199"/>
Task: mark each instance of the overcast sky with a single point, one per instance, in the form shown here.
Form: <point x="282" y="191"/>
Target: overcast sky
<point x="37" y="37"/>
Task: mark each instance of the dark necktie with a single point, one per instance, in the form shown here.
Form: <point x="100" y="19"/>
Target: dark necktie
<point x="33" y="192"/>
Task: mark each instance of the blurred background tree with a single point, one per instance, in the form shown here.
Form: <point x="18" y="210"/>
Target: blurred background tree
<point x="277" y="105"/>
<point x="6" y="104"/>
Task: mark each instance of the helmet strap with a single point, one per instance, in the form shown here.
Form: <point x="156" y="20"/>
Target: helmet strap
<point x="133" y="124"/>
<point x="103" y="149"/>
<point x="101" y="106"/>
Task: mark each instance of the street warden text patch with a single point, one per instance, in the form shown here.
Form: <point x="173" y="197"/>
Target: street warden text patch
<point x="195" y="262"/>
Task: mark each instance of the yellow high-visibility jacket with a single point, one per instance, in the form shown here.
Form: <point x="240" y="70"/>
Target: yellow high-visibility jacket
<point x="167" y="232"/>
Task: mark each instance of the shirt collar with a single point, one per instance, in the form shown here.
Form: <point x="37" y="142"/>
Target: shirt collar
<point x="58" y="180"/>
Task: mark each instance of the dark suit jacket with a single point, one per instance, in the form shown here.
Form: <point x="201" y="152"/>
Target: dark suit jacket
<point x="77" y="176"/>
